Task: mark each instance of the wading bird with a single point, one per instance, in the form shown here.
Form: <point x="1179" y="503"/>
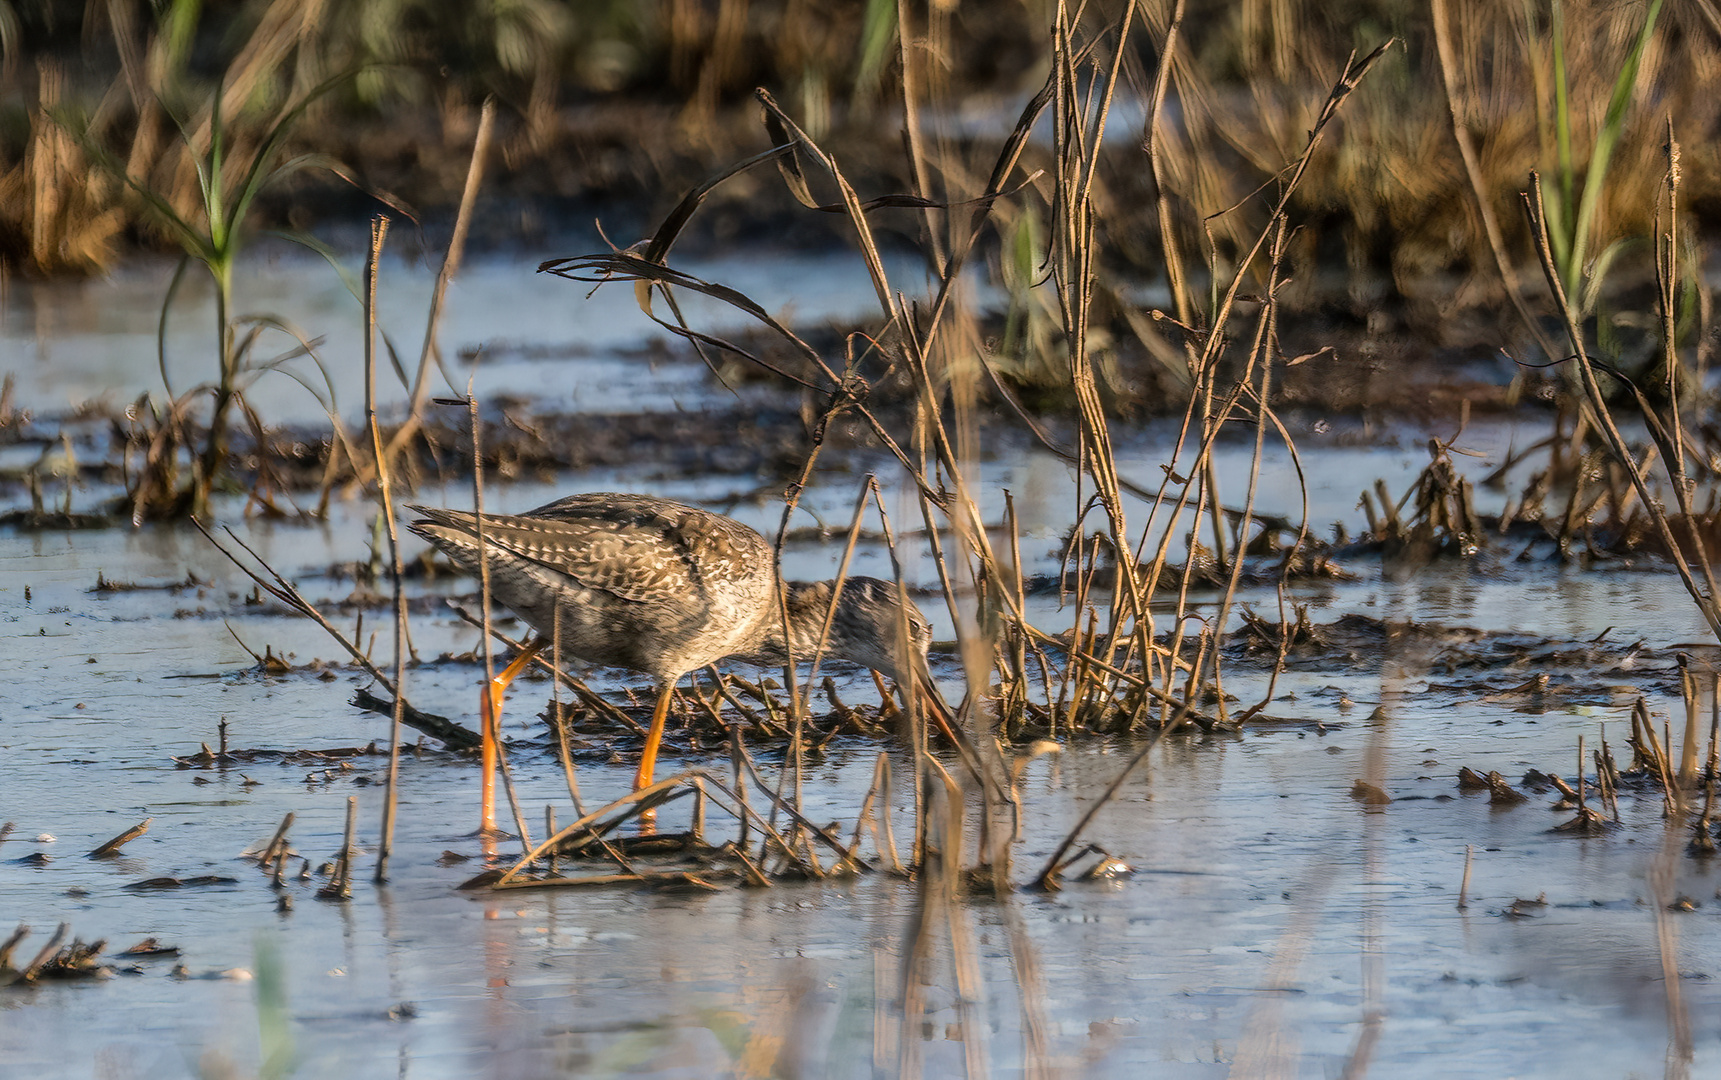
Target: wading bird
<point x="658" y="587"/>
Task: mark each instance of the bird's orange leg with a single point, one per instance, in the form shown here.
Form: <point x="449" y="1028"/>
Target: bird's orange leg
<point x="490" y="718"/>
<point x="648" y="758"/>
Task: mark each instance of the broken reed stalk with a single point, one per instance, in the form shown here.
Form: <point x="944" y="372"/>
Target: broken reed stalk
<point x="696" y="829"/>
<point x="9" y="946"/>
<point x="113" y="846"/>
<point x="29" y="971"/>
<point x="563" y="753"/>
<point x="550" y="830"/>
<point x="385" y="497"/>
<point x="1464" y="883"/>
<point x="340" y="886"/>
<point x="1605" y="776"/>
<point x="1047" y="879"/>
<point x="1701" y="841"/>
<point x="274" y="859"/>
<point x="1675" y="795"/>
<point x="349" y="846"/>
<point x="287" y="594"/>
<point x="1648" y="745"/>
<point x="1688" y="751"/>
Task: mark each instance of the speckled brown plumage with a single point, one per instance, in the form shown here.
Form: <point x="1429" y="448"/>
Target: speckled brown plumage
<point x="648" y="584"/>
<point x="664" y="588"/>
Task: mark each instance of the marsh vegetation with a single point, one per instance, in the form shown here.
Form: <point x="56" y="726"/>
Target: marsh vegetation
<point x="1116" y="272"/>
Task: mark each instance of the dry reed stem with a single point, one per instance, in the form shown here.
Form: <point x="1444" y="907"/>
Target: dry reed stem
<point x="284" y="592"/>
<point x="340" y="886"/>
<point x="1260" y="356"/>
<point x="768" y="825"/>
<point x="1078" y="131"/>
<point x="590" y="698"/>
<point x="1177" y="276"/>
<point x="1473" y="174"/>
<point x="737" y="761"/>
<point x="1688" y="749"/>
<point x="113" y="846"/>
<point x="274" y="858"/>
<point x="653" y="877"/>
<point x="875" y="816"/>
<point x="1047" y="880"/>
<point x="1596" y="400"/>
<point x="632" y="804"/>
<point x="429" y="351"/>
<point x="791" y="669"/>
<point x="29" y="971"/>
<point x="1578" y="781"/>
<point x="391" y="797"/>
<point x="491" y="716"/>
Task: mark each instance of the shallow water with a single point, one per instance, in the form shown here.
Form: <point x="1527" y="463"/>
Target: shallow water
<point x="70" y="343"/>
<point x="1262" y="892"/>
<point x="1268" y="912"/>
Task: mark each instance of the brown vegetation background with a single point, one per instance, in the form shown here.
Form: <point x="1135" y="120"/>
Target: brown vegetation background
<point x="615" y="106"/>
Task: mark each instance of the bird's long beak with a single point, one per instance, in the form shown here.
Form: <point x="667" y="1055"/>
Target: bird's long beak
<point x="927" y="697"/>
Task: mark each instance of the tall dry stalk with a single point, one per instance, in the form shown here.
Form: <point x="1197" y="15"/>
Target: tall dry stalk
<point x="429" y="353"/>
<point x="385" y="499"/>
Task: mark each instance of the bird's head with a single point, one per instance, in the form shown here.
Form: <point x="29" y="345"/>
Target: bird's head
<point x="873" y="626"/>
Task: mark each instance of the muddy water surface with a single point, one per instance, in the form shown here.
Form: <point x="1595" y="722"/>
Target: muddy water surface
<point x="1271" y="924"/>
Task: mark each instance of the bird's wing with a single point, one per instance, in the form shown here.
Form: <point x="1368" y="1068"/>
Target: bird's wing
<point x="633" y="547"/>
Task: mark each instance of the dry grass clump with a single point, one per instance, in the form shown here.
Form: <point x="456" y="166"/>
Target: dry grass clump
<point x="1394" y="224"/>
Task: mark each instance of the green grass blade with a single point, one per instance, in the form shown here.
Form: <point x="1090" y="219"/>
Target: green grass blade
<point x="1613" y="124"/>
<point x="1562" y="105"/>
<point x="878" y="34"/>
<point x="311" y="243"/>
<point x="261" y="171"/>
<point x="161" y="324"/>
